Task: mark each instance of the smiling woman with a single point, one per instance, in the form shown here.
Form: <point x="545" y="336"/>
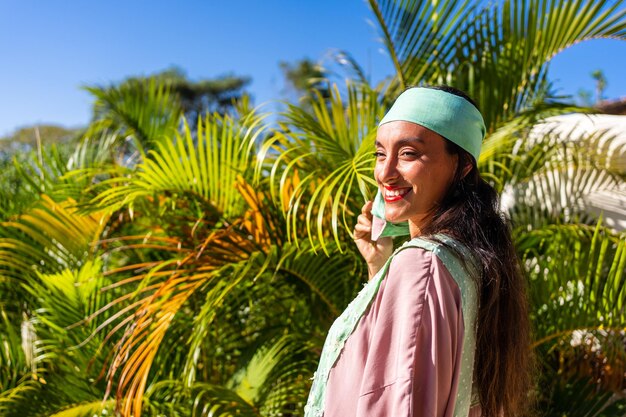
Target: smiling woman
<point x="441" y="329"/>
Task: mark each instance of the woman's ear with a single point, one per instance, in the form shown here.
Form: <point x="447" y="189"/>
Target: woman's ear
<point x="467" y="167"/>
<point x="466" y="163"/>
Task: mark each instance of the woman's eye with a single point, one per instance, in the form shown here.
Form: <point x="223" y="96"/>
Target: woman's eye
<point x="409" y="154"/>
<point x="379" y="155"/>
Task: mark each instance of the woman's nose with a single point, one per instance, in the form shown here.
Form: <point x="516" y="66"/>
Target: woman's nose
<point x="388" y="169"/>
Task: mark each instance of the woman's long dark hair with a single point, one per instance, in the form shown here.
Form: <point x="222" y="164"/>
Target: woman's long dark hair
<point x="470" y="214"/>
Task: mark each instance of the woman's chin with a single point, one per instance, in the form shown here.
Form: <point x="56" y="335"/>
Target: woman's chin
<point x="394" y="218"/>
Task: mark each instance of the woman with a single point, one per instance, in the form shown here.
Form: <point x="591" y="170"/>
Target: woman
<point x="441" y="328"/>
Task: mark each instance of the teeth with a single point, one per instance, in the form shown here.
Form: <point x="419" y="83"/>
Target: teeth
<point x="396" y="193"/>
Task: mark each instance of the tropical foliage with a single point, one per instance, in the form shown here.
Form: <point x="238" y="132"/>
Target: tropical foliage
<point x="174" y="267"/>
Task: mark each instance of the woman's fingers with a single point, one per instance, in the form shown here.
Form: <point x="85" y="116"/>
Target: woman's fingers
<point x="363" y="230"/>
<point x="367" y="209"/>
<point x="374" y="253"/>
<point x="363" y="227"/>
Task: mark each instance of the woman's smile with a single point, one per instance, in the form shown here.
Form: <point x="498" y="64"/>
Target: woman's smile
<point x="393" y="194"/>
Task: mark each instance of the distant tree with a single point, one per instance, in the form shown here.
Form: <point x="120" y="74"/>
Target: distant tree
<point x="598" y="76"/>
<point x="205" y="95"/>
<point x="25" y="138"/>
<point x="39" y="146"/>
<point x="585" y="97"/>
<point x="140" y="111"/>
<point x="305" y="78"/>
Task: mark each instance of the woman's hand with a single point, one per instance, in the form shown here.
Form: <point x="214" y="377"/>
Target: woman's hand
<point x="375" y="253"/>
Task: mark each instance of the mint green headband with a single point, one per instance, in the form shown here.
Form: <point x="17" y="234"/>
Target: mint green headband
<point x="447" y="114"/>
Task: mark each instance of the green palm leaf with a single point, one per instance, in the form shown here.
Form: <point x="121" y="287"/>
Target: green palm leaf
<point x="498" y="53"/>
<point x="51" y="237"/>
<point x="273" y="377"/>
<point x="578" y="279"/>
<point x="320" y="164"/>
<point x="16" y="354"/>
<point x="144" y="110"/>
<point x="418" y="35"/>
<point x="226" y="257"/>
<point x="204" y="166"/>
<point x="89" y="409"/>
<point x="57" y="328"/>
<point x="574" y="397"/>
<point x="502" y="56"/>
<point x="201" y="399"/>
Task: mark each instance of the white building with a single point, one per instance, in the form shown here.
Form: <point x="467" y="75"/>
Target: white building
<point x="601" y="197"/>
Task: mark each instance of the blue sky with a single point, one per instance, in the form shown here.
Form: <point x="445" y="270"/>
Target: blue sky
<point x="49" y="49"/>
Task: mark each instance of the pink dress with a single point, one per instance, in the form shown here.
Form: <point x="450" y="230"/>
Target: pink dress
<point x="405" y="357"/>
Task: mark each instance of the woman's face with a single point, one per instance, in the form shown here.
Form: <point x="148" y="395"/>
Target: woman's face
<point x="413" y="171"/>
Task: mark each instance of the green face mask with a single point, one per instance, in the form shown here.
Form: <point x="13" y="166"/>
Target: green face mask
<point x="447" y="114"/>
<point x="381" y="227"/>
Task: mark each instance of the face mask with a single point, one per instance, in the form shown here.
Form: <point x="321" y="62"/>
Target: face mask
<point x="380" y="226"/>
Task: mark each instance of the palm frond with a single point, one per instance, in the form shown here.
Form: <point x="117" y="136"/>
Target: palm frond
<point x="59" y="302"/>
<point x="89" y="409"/>
<point x="502" y="55"/>
<point x="320" y="164"/>
<point x="578" y="397"/>
<point x="578" y="279"/>
<point x="549" y="175"/>
<point x="164" y="290"/>
<point x="203" y="165"/>
<point x="67" y="297"/>
<point x="577" y="291"/>
<point x="63" y="394"/>
<point x="254" y="382"/>
<point x="98" y="151"/>
<point x="332" y="280"/>
<point x="48" y="238"/>
<point x="201" y="399"/>
<point x="498" y="53"/>
<point x="418" y="34"/>
<point x="16" y="354"/>
<point x="348" y="64"/>
<point x="144" y="110"/>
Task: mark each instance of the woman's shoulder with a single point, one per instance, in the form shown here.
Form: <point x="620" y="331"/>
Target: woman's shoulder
<point x="439" y="256"/>
<point x="412" y="255"/>
<point x="415" y="265"/>
<point x="416" y="279"/>
<point x="456" y="257"/>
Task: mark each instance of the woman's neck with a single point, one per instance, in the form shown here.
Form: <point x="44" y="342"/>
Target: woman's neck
<point x="417" y="226"/>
